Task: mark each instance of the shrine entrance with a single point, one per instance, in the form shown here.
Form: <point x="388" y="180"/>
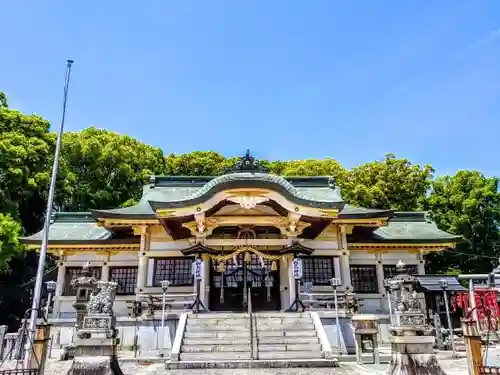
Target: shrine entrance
<point x="230" y="282"/>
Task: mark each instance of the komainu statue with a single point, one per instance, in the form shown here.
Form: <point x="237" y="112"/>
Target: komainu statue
<point x="102" y="299"/>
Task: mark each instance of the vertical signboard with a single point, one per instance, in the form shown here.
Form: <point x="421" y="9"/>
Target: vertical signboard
<point x="297" y="268"/>
<point x="198" y="269"/>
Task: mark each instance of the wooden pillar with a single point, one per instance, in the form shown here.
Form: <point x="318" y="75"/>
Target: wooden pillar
<point x="61" y="273"/>
<point x="142" y="269"/>
<point x="345" y="269"/>
<point x="473" y="346"/>
<point x="40" y="347"/>
<point x="105" y="269"/>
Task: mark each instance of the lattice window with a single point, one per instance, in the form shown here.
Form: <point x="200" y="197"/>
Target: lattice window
<point x="72" y="272"/>
<point x="364" y="279"/>
<point x="390" y="270"/>
<point x="125" y="277"/>
<point x="317" y="270"/>
<point x="175" y="270"/>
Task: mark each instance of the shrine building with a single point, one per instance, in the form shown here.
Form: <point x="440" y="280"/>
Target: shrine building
<point x="247" y="226"/>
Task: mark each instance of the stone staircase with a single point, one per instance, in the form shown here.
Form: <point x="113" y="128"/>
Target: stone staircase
<point x="222" y="340"/>
<point x="287" y="336"/>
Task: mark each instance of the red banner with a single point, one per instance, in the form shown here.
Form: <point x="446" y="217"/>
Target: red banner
<point x="487" y="308"/>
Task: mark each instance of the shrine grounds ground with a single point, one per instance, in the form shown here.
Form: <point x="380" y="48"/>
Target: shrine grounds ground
<point x="449" y="365"/>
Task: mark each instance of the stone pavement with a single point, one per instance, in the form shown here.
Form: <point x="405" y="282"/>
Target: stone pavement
<point x="450" y="366"/>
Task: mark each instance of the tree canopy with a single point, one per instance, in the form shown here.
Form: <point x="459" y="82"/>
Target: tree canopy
<point x="104" y="169"/>
<point x="467" y="204"/>
<point x="388" y="184"/>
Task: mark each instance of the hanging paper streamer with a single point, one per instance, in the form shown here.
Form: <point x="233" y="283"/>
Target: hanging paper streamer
<point x="262" y="263"/>
<point x="274" y="266"/>
<point x="221" y="298"/>
<point x="243" y="249"/>
<point x="248" y="257"/>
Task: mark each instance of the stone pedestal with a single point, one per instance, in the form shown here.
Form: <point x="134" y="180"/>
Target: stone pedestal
<point x="412" y="342"/>
<point x="96" y="341"/>
<point x="413" y="346"/>
<point x="366" y="326"/>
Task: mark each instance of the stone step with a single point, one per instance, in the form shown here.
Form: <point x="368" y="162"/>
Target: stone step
<point x="287" y="340"/>
<point x="215" y="341"/>
<point x="223" y="327"/>
<point x="214" y="348"/>
<point x="253" y="364"/>
<point x="294" y="327"/>
<point x="211" y="316"/>
<point x="281" y="315"/>
<point x="286" y="333"/>
<point x="309" y="354"/>
<point x="284" y="321"/>
<point x="214" y="322"/>
<point x="214" y="356"/>
<point x="218" y="328"/>
<point x="219" y="334"/>
<point x="260" y="315"/>
<point x="289" y="347"/>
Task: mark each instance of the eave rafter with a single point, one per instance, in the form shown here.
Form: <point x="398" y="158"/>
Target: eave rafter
<point x="411" y="247"/>
<point x="66" y="249"/>
<point x="124" y="223"/>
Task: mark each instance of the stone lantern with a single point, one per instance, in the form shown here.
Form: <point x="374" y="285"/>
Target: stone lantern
<point x="84" y="284"/>
<point x="411" y="339"/>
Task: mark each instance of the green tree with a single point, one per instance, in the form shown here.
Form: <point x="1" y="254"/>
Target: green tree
<point x="26" y="153"/>
<point x="26" y="149"/>
<point x="312" y="167"/>
<point x="9" y="240"/>
<point x="466" y="204"/>
<point x="387" y="184"/>
<point x="104" y="169"/>
<point x="197" y="163"/>
<point x="3" y="100"/>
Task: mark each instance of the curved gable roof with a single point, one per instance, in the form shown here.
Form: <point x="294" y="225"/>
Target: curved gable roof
<point x="269" y="181"/>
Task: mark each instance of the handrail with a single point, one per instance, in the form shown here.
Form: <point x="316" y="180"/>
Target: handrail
<point x="250" y="318"/>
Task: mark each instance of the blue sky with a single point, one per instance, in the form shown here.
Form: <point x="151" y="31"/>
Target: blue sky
<point x="290" y="79"/>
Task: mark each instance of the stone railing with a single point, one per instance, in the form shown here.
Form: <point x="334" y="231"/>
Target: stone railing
<point x="151" y="303"/>
<point x="12" y="347"/>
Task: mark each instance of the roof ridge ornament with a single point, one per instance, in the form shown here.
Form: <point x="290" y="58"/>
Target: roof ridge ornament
<point x="248" y="164"/>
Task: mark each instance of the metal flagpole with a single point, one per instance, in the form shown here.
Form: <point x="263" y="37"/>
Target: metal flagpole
<point x="45" y="239"/>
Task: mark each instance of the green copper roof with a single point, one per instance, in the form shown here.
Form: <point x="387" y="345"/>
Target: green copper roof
<point x="69" y="227"/>
<point x="403" y="227"/>
<point x="408" y="227"/>
<point x="304" y="196"/>
<point x="351" y="212"/>
<point x="179" y="191"/>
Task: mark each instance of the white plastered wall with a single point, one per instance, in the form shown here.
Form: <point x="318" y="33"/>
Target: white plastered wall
<point x="377" y="303"/>
<point x="63" y="305"/>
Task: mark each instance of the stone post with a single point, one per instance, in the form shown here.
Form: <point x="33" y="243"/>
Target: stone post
<point x="3" y="332"/>
<point x="411" y="340"/>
